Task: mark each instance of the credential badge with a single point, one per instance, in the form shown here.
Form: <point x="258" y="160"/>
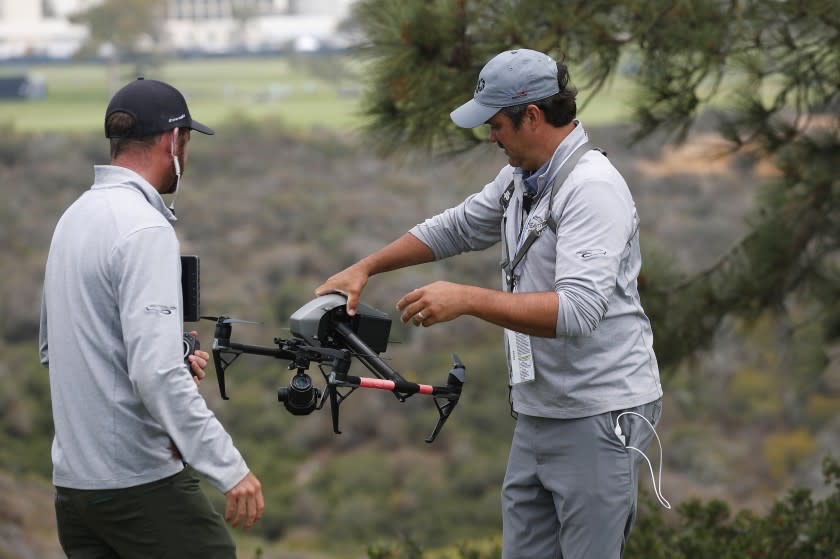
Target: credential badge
<point x="537" y="224"/>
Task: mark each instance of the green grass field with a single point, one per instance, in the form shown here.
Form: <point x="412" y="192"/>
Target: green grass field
<point x="301" y="93"/>
<point x="217" y="90"/>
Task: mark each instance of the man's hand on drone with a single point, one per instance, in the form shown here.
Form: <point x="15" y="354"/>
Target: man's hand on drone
<point x="198" y="362"/>
<point x="349" y="282"/>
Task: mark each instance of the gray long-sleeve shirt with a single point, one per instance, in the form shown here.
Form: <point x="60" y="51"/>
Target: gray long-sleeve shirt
<point x="111" y="335"/>
<point x="602" y="356"/>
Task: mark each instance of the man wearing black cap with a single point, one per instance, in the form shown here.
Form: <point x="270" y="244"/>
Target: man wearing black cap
<point x="584" y="381"/>
<point x="127" y="412"/>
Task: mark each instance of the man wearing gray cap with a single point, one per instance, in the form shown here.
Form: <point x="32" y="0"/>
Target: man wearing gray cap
<point x="584" y="381"/>
<point x="127" y="413"/>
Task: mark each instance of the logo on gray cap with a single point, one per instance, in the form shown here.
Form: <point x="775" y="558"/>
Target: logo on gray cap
<point x="513" y="77"/>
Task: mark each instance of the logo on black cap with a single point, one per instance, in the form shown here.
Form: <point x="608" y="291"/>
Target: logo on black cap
<point x="156" y="107"/>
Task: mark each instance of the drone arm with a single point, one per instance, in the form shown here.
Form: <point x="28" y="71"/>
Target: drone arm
<point x="223" y="347"/>
<point x="401" y="386"/>
<point x="367" y="356"/>
<point x="277" y="352"/>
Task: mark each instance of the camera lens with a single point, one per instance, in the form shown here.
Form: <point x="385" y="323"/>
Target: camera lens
<point x="301" y="382"/>
<point x="300" y="398"/>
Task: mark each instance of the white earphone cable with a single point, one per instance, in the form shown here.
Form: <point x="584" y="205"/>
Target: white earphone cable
<point x="177" y="165"/>
<point x="657" y="488"/>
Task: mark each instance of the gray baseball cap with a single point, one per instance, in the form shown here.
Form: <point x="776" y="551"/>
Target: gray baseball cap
<point x="511" y="78"/>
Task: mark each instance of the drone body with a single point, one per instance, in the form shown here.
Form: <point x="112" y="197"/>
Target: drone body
<point x="324" y="333"/>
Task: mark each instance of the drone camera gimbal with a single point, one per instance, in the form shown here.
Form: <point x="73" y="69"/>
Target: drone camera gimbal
<point x="324" y="333"/>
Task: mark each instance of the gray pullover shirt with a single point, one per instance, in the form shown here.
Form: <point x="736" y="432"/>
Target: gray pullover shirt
<point x="111" y="335"/>
<point x="601" y="358"/>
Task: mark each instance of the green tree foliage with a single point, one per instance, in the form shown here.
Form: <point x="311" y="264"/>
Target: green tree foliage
<point x="774" y="65"/>
<point x="124" y="26"/>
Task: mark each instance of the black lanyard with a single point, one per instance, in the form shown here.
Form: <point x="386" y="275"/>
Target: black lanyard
<point x="509" y="266"/>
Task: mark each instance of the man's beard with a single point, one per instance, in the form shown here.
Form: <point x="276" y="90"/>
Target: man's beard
<point x="172" y="184"/>
<point x="170" y="188"/>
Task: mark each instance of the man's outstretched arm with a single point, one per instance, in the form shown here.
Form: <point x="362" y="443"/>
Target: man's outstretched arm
<point x="534" y="313"/>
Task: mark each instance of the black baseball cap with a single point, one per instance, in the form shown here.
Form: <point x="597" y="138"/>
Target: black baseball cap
<point x="156" y="106"/>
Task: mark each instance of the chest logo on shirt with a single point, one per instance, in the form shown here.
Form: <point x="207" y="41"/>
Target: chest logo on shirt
<point x="160" y="309"/>
<point x="591" y="253"/>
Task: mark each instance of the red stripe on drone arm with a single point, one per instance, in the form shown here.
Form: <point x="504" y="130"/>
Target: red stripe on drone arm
<point x="381" y="384"/>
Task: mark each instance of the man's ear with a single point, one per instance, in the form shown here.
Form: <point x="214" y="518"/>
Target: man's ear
<point x="164" y="142"/>
<point x="533" y="115"/>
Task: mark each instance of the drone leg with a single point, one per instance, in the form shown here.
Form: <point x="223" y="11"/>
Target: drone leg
<point x="334" y="403"/>
<point x="444" y="411"/>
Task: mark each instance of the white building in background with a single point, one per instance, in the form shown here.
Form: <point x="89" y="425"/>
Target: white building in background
<point x="41" y="27"/>
<point x="34" y="27"/>
<point x="254" y="25"/>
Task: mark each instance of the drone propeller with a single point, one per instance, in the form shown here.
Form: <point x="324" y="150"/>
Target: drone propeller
<point x="459" y="370"/>
<point x="228" y="320"/>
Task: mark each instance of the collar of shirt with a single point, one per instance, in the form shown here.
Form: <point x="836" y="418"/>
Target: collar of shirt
<point x="530" y="181"/>
<point x="535" y="183"/>
<point x="110" y="176"/>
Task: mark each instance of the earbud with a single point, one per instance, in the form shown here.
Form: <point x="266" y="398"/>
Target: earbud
<point x="619" y="434"/>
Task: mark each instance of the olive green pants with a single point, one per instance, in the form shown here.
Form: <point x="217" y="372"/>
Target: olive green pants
<point x="167" y="518"/>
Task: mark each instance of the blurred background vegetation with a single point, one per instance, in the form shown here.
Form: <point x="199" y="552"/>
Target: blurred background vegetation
<point x="295" y="186"/>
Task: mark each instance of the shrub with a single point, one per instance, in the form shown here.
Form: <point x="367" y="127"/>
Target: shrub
<point x="796" y="527"/>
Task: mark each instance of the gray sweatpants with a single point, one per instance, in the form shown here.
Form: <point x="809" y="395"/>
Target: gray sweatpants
<point x="571" y="485"/>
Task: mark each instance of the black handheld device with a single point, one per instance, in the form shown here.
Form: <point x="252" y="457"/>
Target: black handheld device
<point x="190" y="281"/>
<point x="190" y="345"/>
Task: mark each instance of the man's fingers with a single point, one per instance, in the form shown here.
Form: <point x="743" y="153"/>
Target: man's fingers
<point x="352" y="303"/>
<point x="413" y="309"/>
<point x="235" y="509"/>
<point x="241" y="510"/>
<point x="409" y="298"/>
<point x="252" y="513"/>
<point x="197" y="364"/>
<point x="230" y="508"/>
<point x="260" y="504"/>
<point x="245" y="502"/>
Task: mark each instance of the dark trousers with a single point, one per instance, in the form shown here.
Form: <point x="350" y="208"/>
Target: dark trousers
<point x="170" y="517"/>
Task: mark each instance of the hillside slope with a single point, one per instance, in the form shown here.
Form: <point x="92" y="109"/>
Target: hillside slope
<point x="273" y="214"/>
